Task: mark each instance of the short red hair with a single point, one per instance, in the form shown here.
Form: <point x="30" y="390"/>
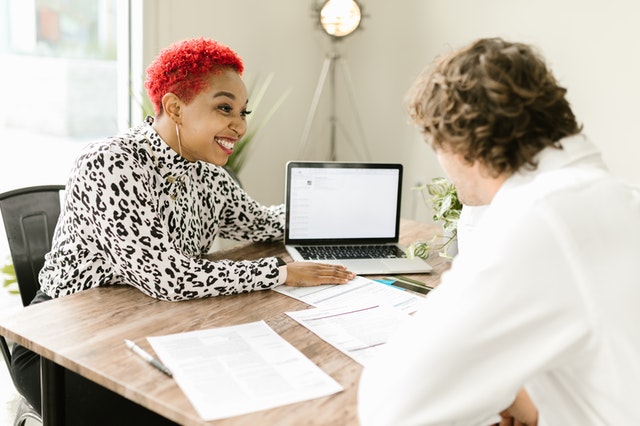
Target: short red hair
<point x="184" y="67"/>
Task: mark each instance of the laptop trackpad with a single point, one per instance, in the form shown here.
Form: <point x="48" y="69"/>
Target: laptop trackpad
<point x="382" y="266"/>
<point x="358" y="266"/>
<point x="406" y="266"/>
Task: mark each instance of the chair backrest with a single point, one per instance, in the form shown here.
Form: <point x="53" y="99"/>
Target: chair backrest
<point x="6" y="353"/>
<point x="30" y="216"/>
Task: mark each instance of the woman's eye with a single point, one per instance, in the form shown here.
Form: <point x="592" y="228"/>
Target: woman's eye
<point x="245" y="113"/>
<point x="225" y="108"/>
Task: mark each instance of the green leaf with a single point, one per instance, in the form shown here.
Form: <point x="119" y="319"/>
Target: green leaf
<point x="445" y="205"/>
<point x="8" y="269"/>
<point x="8" y="277"/>
<point x="419" y="249"/>
<point x="442" y="195"/>
<point x="6" y="282"/>
<point x="143" y="102"/>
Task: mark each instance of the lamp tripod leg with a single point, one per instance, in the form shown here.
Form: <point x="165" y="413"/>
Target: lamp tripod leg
<point x="328" y="62"/>
<point x="352" y="98"/>
<point x="329" y="67"/>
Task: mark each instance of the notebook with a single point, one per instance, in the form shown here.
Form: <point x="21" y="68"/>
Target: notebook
<point x="349" y="206"/>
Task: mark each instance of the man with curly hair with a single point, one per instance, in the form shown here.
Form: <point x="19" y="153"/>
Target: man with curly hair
<point x="537" y="318"/>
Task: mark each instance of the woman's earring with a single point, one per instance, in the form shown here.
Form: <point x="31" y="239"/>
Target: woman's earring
<point x="179" y="142"/>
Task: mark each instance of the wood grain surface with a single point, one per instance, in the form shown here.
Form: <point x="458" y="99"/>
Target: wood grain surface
<point x="84" y="332"/>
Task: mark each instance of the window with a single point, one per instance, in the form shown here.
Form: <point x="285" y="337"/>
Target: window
<point x="59" y="78"/>
<point x="59" y="71"/>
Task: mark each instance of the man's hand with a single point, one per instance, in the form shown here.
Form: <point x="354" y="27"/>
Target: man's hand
<point x="521" y="413"/>
<point x="306" y="274"/>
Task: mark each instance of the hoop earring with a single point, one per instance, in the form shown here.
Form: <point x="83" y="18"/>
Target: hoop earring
<point x="179" y="142"/>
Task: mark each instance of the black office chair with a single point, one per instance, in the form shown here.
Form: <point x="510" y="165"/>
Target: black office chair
<point x="30" y="216"/>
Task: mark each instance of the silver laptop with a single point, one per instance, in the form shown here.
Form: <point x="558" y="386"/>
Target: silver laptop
<point x="347" y="214"/>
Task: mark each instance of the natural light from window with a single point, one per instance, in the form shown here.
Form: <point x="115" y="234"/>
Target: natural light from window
<point x="59" y="76"/>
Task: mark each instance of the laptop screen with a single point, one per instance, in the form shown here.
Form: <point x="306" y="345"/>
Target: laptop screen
<point x="333" y="202"/>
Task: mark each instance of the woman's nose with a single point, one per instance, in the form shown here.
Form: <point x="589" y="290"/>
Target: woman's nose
<point x="239" y="126"/>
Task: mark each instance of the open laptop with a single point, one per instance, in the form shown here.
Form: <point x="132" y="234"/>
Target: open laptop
<point x="334" y="209"/>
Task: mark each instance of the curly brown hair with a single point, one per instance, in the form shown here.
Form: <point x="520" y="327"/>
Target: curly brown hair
<point x="492" y="101"/>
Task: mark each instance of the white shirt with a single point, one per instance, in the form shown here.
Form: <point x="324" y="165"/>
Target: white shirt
<point x="545" y="295"/>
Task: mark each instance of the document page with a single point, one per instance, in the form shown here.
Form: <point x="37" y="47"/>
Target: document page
<point x="357" y="332"/>
<point x="235" y="370"/>
<point x="359" y="291"/>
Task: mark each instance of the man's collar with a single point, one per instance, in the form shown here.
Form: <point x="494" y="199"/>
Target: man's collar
<point x="576" y="150"/>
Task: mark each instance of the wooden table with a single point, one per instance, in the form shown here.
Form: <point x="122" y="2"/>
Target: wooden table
<point x="84" y="333"/>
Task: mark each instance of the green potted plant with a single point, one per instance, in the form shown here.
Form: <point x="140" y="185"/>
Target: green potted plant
<point x="442" y="196"/>
<point x="8" y="277"/>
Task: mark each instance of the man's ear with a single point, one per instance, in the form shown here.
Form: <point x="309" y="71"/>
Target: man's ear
<point x="172" y="106"/>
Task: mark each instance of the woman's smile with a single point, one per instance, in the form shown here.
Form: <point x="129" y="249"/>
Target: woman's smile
<point x="226" y="144"/>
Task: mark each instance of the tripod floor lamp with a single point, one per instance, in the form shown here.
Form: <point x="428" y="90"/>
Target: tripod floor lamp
<point x="338" y="18"/>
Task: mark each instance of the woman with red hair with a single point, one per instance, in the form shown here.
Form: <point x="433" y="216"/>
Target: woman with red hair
<point x="142" y="209"/>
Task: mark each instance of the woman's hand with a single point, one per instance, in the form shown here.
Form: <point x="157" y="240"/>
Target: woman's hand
<point x="521" y="413"/>
<point x="307" y="274"/>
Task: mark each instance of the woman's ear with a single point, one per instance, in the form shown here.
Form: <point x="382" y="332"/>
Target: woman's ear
<point x="172" y="106"/>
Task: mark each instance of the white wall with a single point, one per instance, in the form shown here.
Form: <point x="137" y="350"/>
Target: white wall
<point x="591" y="47"/>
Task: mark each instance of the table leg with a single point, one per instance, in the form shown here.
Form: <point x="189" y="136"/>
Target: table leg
<point x="52" y="378"/>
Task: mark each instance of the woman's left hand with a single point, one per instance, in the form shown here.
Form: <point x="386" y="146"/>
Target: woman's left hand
<point x="306" y="274"/>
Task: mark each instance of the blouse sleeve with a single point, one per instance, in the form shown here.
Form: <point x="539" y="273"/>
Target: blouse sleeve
<point x="114" y="216"/>
<point x="244" y="219"/>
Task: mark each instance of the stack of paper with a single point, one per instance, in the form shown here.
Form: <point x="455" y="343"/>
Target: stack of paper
<point x="358" y="292"/>
<point x="235" y="370"/>
<point x="357" y="332"/>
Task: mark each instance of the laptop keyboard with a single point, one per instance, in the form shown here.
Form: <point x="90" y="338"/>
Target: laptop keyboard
<point x="350" y="252"/>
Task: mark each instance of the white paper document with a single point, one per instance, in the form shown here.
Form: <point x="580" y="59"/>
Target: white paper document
<point x="357" y="332"/>
<point x="359" y="291"/>
<point x="235" y="370"/>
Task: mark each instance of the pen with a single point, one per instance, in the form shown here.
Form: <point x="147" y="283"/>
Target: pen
<point x="404" y="283"/>
<point x="147" y="357"/>
<point x="412" y="281"/>
<point x="390" y="283"/>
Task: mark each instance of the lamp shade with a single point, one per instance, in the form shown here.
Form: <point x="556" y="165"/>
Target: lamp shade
<point x="340" y="18"/>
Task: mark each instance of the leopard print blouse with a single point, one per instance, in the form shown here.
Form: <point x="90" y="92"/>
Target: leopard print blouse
<point x="137" y="213"/>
